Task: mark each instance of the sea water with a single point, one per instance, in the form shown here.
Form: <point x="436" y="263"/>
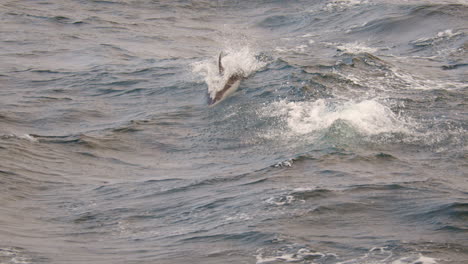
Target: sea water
<point x="346" y="143"/>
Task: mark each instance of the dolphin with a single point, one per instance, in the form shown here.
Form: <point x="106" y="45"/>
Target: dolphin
<point x="229" y="87"/>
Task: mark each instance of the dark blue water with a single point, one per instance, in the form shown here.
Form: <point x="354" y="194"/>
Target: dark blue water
<point x="345" y="142"/>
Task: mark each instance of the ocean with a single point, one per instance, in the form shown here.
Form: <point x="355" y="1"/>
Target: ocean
<point x="345" y="142"/>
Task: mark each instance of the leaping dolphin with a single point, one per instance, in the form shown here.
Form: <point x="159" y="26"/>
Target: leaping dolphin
<point x="229" y="87"/>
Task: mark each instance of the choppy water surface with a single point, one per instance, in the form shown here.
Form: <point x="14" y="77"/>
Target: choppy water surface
<point x="345" y="144"/>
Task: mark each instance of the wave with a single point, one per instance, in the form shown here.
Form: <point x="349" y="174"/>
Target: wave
<point x="438" y="38"/>
<point x="447" y="216"/>
<point x="412" y="20"/>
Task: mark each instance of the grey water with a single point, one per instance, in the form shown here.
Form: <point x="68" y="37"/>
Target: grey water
<point x="346" y="143"/>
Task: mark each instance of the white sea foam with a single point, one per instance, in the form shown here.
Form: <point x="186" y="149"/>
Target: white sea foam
<point x="15" y="255"/>
<point x="27" y="137"/>
<point x="411" y="260"/>
<point x="355" y="48"/>
<point x="296" y="49"/>
<point x="394" y="77"/>
<point x="308" y="35"/>
<point x="279" y="201"/>
<point x="343" y="4"/>
<point x="377" y="255"/>
<point x="448" y="34"/>
<point x="369" y="117"/>
<point x="301" y="255"/>
<point x="241" y="61"/>
<point x="420" y="83"/>
<point x="440" y="36"/>
<point x="284" y="164"/>
<point x="237" y="217"/>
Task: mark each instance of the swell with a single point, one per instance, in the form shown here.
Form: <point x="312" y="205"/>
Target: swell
<point x="413" y="19"/>
<point x="447" y="217"/>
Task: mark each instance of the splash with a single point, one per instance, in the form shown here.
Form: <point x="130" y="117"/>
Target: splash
<point x="368" y="117"/>
<point x="243" y="61"/>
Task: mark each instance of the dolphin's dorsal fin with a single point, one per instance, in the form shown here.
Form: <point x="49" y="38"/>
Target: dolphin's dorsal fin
<point x="220" y="65"/>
